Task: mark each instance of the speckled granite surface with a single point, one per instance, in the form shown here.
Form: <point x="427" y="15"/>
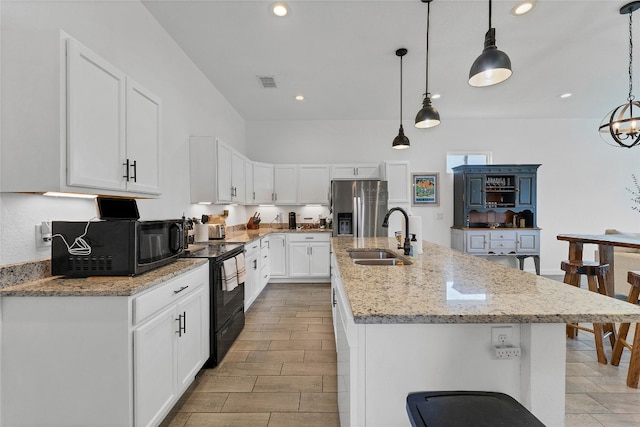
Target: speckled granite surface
<point x="446" y="286"/>
<point x="101" y="286"/>
<point x="14" y="274"/>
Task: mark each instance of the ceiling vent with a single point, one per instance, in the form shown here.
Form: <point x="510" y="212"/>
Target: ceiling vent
<point x="267" y="82"/>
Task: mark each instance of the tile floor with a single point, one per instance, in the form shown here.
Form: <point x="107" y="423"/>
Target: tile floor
<point x="282" y="372"/>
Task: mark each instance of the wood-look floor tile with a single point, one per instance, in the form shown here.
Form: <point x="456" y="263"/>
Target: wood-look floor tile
<point x="228" y="420"/>
<point x="329" y="344"/>
<point x="286" y="327"/>
<point x="318" y="402"/>
<point x="301" y="320"/>
<point x="320" y="356"/>
<point x="304" y="368"/>
<point x="581" y="403"/>
<point x="250" y="369"/>
<point x="201" y="402"/>
<point x="317" y="313"/>
<point x="226" y="384"/>
<point x="581" y="420"/>
<point x="617" y="420"/>
<point x="294" y="383"/>
<point x="329" y="383"/>
<point x="240" y="345"/>
<point x="304" y="419"/>
<point x="175" y="419"/>
<point x="296" y="345"/>
<point x="613" y="402"/>
<point x="324" y="327"/>
<point x="276" y="356"/>
<point x="301" y="335"/>
<point x="236" y="356"/>
<point x="262" y="402"/>
<point x="265" y="335"/>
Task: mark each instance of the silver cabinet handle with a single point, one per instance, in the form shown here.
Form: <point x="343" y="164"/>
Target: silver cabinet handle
<point x="182" y="323"/>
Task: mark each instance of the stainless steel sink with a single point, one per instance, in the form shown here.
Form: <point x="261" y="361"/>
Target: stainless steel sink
<point x="372" y="254"/>
<point x="380" y="261"/>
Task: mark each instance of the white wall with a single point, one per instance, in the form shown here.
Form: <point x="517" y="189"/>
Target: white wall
<point x="126" y="35"/>
<point x="581" y="184"/>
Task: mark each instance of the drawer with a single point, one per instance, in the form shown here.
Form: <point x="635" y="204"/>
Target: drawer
<point x="309" y="237"/>
<point x="252" y="248"/>
<point x="264" y="243"/>
<point x="502" y="235"/>
<point x="503" y="245"/>
<point x="169" y="293"/>
<point x="264" y="254"/>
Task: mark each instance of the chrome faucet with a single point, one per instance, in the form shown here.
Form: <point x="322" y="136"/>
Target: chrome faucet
<point x="407" y="241"/>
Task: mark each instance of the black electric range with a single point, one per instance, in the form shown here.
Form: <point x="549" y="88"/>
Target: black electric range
<point x="226" y="307"/>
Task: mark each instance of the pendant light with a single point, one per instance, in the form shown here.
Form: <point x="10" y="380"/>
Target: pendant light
<point x="428" y="116"/>
<point x="621" y="123"/>
<point x="401" y="142"/>
<point x="493" y="66"/>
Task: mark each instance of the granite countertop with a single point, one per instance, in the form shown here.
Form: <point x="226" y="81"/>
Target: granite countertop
<point x="447" y="286"/>
<point x="57" y="286"/>
<point x="246" y="236"/>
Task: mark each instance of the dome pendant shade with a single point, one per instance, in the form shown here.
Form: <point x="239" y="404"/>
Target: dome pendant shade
<point x="428" y="116"/>
<point x="621" y="124"/>
<point x="493" y="66"/>
<point x="401" y="142"/>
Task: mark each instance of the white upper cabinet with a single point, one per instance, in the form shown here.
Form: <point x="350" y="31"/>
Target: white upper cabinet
<point x="216" y="170"/>
<point x="96" y="121"/>
<point x="398" y="177"/>
<point x="285" y="188"/>
<point x="238" y="164"/>
<point x="96" y="131"/>
<point x="249" y="194"/>
<point x="313" y="184"/>
<point x="143" y="139"/>
<point x="355" y="171"/>
<point x="263" y="183"/>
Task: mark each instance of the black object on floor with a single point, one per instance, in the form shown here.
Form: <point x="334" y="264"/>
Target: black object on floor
<point x="467" y="409"/>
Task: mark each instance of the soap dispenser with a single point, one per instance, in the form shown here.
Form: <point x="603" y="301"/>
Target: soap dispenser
<point x="414" y="250"/>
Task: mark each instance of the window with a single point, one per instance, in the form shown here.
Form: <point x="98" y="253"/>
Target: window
<point x="457" y="158"/>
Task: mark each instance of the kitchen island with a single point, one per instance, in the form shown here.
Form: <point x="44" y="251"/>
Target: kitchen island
<point x="428" y="326"/>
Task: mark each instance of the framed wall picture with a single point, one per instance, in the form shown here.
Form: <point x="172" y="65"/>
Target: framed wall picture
<point x="425" y="189"/>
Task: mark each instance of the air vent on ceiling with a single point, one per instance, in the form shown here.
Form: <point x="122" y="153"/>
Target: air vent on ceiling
<point x="267" y="82"/>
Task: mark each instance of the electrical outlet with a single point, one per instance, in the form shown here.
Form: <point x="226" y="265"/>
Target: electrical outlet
<point x="506" y="352"/>
<point x="501" y="335"/>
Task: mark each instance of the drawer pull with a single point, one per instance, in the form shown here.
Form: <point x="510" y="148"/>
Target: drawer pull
<point x="181" y="289"/>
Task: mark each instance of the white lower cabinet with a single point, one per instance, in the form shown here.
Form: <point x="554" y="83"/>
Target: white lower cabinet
<point x="278" y="255"/>
<point x="103" y="360"/>
<point x="309" y="255"/>
<point x="265" y="261"/>
<point x="252" y="264"/>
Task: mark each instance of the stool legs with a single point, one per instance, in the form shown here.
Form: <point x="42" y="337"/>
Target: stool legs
<point x="634" y="365"/>
<point x="601" y="330"/>
<point x="573" y="280"/>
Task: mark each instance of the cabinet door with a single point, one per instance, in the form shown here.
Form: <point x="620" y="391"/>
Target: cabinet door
<point x="526" y="191"/>
<point x="278" y="254"/>
<point x="475" y="191"/>
<point x="143" y="139"/>
<point x="367" y="171"/>
<point x="96" y="121"/>
<point x="263" y="182"/>
<point x="154" y="360"/>
<point x="319" y="253"/>
<point x="528" y="242"/>
<point x="285" y="184"/>
<point x="398" y="180"/>
<point x="477" y="241"/>
<point x="251" y="285"/>
<point x="237" y="177"/>
<point x="223" y="162"/>
<point x="298" y="259"/>
<point x="313" y="183"/>
<point x="192" y="343"/>
<point x="249" y="194"/>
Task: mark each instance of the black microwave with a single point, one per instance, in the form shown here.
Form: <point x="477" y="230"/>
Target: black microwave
<point x="114" y="248"/>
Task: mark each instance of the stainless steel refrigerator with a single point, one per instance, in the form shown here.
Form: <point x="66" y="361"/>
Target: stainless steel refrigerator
<point x="359" y="207"/>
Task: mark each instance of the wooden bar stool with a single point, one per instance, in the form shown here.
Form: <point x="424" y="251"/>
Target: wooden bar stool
<point x="595" y="273"/>
<point x="633" y="277"/>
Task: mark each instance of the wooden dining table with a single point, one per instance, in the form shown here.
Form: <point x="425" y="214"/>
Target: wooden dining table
<point x="606" y="243"/>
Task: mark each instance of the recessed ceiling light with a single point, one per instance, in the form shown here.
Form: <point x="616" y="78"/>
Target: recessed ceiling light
<point x="565" y="95"/>
<point x="299" y="98"/>
<point x="280" y="9"/>
<point x="523" y="7"/>
<point x="435" y="96"/>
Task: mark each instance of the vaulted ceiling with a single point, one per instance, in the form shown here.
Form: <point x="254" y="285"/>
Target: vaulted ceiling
<point x="341" y="56"/>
